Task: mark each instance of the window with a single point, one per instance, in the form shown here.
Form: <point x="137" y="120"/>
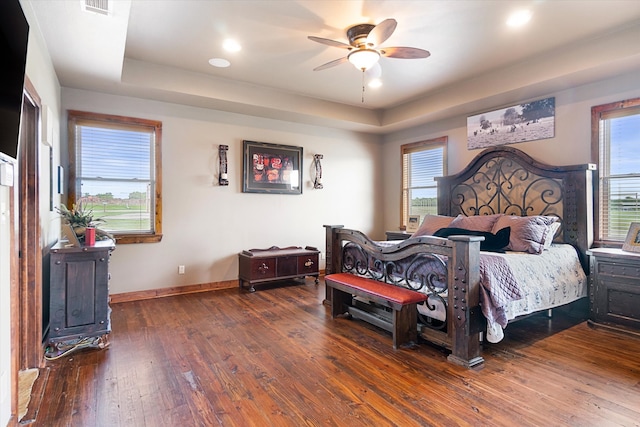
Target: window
<point x="615" y="142"/>
<point x="115" y="169"/>
<point x="421" y="163"/>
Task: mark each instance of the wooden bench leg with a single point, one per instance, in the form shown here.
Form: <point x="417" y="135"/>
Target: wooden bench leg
<point x="405" y="325"/>
<point x="339" y="301"/>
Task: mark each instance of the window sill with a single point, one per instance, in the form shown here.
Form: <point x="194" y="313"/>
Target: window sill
<point x="607" y="244"/>
<point x="138" y="238"/>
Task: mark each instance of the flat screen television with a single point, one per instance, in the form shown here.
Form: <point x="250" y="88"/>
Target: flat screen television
<point x="14" y="36"/>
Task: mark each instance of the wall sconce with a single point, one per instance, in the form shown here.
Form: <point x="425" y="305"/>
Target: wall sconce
<point x="317" y="183"/>
<point x="223" y="179"/>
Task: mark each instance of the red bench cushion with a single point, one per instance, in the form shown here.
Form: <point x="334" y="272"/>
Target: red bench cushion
<point x="389" y="292"/>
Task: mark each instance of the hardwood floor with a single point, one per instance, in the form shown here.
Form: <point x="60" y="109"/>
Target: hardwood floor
<point x="275" y="357"/>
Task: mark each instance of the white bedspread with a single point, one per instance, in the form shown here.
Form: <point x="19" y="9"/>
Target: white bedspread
<point x="549" y="280"/>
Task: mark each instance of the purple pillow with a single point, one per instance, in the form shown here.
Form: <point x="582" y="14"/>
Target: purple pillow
<point x="476" y="222"/>
<point x="431" y="224"/>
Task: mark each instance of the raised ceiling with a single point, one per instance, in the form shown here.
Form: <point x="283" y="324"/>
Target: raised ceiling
<point x="159" y="49"/>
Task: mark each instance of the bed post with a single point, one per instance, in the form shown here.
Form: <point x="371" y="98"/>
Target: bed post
<point x="578" y="211"/>
<point x="332" y="255"/>
<point x="465" y="317"/>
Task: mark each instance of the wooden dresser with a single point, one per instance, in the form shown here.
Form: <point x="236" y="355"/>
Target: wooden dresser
<point x="398" y="235"/>
<point x="267" y="265"/>
<point x="614" y="289"/>
<point x="79" y="295"/>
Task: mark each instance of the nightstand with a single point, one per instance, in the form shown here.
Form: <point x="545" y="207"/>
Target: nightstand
<point x="79" y="296"/>
<point x="614" y="289"/>
<point x="397" y="235"/>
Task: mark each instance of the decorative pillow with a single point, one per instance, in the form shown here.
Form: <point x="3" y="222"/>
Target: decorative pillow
<point x="492" y="242"/>
<point x="552" y="234"/>
<point x="476" y="222"/>
<point x="528" y="233"/>
<point x="431" y="224"/>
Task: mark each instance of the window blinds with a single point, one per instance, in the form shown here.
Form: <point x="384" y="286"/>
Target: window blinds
<point x="114" y="173"/>
<point x="619" y="172"/>
<point x="421" y="163"/>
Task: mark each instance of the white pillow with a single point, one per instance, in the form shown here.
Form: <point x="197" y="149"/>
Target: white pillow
<point x="553" y="229"/>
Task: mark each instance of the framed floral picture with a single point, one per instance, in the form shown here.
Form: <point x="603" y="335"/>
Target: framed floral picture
<point x="632" y="242"/>
<point x="271" y="168"/>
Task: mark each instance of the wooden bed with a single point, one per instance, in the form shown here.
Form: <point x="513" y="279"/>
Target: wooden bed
<point x="499" y="180"/>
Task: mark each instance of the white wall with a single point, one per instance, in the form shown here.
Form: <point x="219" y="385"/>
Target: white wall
<point x="205" y="225"/>
<point x="5" y="307"/>
<point x="42" y="76"/>
<point x="40" y="72"/>
<point x="571" y="144"/>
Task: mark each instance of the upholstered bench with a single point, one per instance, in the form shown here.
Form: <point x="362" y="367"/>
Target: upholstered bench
<point x="402" y="301"/>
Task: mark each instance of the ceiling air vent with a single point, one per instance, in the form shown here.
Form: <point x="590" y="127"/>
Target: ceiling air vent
<point x="96" y="6"/>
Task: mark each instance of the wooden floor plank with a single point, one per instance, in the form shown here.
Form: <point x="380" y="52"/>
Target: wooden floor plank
<point x="276" y="357"/>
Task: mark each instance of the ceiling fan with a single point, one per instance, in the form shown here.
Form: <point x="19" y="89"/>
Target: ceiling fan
<point x="364" y="46"/>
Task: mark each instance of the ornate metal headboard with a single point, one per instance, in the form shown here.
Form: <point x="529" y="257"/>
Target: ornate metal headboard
<point x="506" y="180"/>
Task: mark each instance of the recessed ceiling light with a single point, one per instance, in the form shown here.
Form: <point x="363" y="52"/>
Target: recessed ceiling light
<point x="519" y="18"/>
<point x="231" y="45"/>
<point x="219" y="62"/>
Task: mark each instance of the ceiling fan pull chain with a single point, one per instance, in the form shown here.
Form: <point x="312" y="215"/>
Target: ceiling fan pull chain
<point x="363" y="85"/>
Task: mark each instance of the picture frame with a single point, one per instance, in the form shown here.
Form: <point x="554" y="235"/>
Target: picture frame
<point x="528" y="121"/>
<point x="60" y="180"/>
<point x="413" y="223"/>
<point x="632" y="241"/>
<point x="271" y="168"/>
<point x="51" y="179"/>
<point x="68" y="237"/>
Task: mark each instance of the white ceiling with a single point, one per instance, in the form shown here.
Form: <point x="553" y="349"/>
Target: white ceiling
<point x="159" y="49"/>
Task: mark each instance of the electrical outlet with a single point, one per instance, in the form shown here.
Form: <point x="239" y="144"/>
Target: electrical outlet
<point x="181" y="269"/>
<point x="321" y="255"/>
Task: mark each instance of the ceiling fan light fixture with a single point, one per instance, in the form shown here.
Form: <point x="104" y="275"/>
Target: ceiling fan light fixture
<point x="231" y="45"/>
<point x="375" y="83"/>
<point x="519" y="18"/>
<point x="363" y="59"/>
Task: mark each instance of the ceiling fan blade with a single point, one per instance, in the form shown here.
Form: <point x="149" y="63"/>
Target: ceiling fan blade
<point x="404" y="52"/>
<point x="330" y="42"/>
<point x="381" y="32"/>
<point x="331" y="64"/>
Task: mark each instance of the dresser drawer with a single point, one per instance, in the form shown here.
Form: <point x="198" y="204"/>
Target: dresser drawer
<point x="264" y="268"/>
<point x="623" y="304"/>
<point x="287" y="266"/>
<point x="618" y="269"/>
<point x="618" y="301"/>
<point x="308" y="264"/>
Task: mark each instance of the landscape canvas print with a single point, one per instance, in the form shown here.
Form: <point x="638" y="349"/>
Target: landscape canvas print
<point x="519" y="123"/>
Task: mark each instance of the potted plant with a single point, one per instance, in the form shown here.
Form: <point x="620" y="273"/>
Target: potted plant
<point x="81" y="218"/>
